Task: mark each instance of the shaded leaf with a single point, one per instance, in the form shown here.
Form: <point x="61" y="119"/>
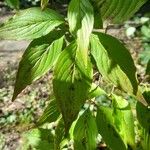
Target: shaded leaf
<point x="98" y="23"/>
<point x="13" y="3"/>
<point x="30" y="24"/>
<point x="143" y="115"/>
<point x="50" y="114"/>
<point x="145" y="140"/>
<point x="39" y="58"/>
<point x="118" y="10"/>
<point x="59" y="134"/>
<point x="114" y="62"/>
<point x="71" y="83"/>
<point x="146" y="95"/>
<point x="148" y="68"/>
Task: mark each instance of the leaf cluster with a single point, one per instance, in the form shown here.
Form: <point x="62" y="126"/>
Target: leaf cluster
<point x="66" y="46"/>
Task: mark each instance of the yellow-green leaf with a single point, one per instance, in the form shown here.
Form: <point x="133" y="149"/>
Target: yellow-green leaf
<point x="81" y="21"/>
<point x="30" y="24"/>
<point x="85" y="132"/>
<point x="114" y="62"/>
<point x="107" y="129"/>
<point x="123" y="119"/>
<point x="39" y="58"/>
<point x="50" y="114"/>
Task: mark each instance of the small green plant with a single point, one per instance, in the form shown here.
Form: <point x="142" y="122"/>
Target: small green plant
<point x="141" y="29"/>
<point x="71" y="46"/>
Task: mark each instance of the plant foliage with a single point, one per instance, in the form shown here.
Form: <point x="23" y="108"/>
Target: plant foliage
<point x="70" y="48"/>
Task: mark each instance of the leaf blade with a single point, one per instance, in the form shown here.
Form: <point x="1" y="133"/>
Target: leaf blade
<point x="118" y="11"/>
<point x="39" y="57"/>
<point x="85" y="132"/>
<point x="124" y="120"/>
<point x="71" y="76"/>
<point x="30" y="24"/>
<point x="106" y="128"/>
<point x="81" y="21"/>
<point x="114" y="62"/>
<point x="50" y="114"/>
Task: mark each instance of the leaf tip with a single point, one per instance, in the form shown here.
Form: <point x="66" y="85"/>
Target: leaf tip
<point x="13" y="97"/>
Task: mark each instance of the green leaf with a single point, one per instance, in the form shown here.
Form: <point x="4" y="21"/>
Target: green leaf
<point x="107" y="129"/>
<point x="59" y="134"/>
<point x="51" y="113"/>
<point x="118" y="10"/>
<point x="39" y="138"/>
<point x="143" y="115"/>
<point x="39" y="58"/>
<point x="145" y="139"/>
<point x="114" y="62"/>
<point x="30" y="24"/>
<point x="124" y="120"/>
<point x="13" y="3"/>
<point x="81" y="21"/>
<point x="144" y="56"/>
<point x="146" y="31"/>
<point x="98" y="22"/>
<point x="85" y="132"/>
<point x="71" y="84"/>
<point x="148" y="68"/>
<point x="95" y="91"/>
<point x="146" y="95"/>
<point x="44" y="3"/>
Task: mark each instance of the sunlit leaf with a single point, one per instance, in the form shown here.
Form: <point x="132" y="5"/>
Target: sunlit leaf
<point x="95" y="91"/>
<point x="50" y="114"/>
<point x="39" y="58"/>
<point x="85" y="132"/>
<point x="107" y="129"/>
<point x="124" y="121"/>
<point x="30" y="24"/>
<point x="143" y="115"/>
<point x="114" y="62"/>
<point x="81" y="21"/>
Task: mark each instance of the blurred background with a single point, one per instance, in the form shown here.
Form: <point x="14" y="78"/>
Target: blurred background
<point x="17" y="117"/>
